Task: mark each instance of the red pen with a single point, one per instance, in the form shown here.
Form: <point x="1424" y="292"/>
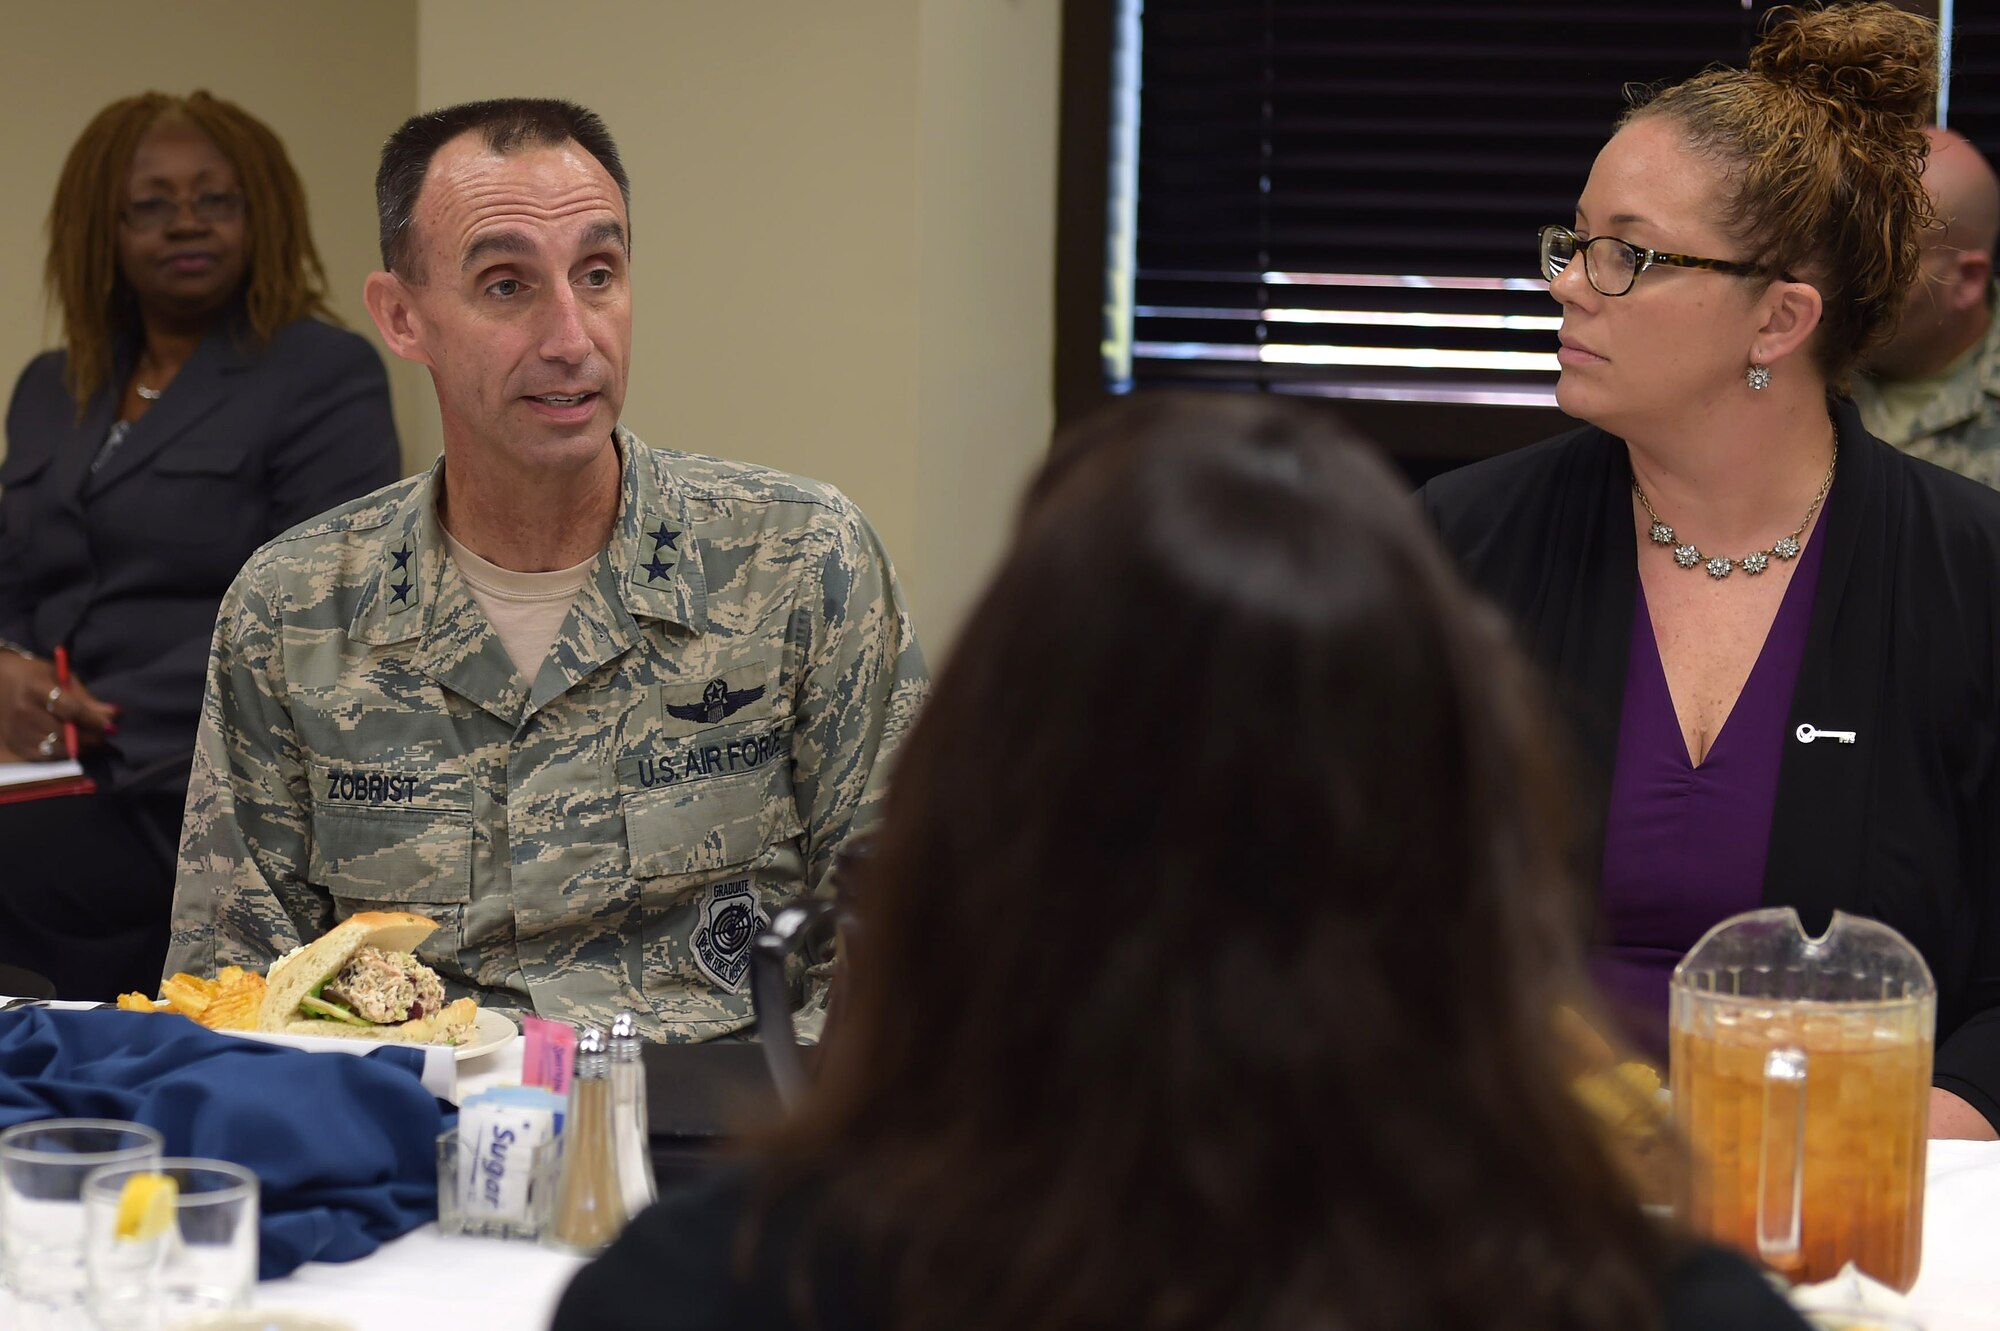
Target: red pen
<point x="62" y="682"/>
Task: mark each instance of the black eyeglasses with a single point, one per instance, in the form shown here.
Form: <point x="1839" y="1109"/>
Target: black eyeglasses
<point x="1612" y="265"/>
<point x="157" y="214"/>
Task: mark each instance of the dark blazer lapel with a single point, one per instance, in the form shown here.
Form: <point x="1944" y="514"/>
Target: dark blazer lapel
<point x="70" y="467"/>
<point x="201" y="386"/>
<point x="1820" y="821"/>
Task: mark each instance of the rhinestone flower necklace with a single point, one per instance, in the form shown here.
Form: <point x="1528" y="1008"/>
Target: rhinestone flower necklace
<point x="1785" y="547"/>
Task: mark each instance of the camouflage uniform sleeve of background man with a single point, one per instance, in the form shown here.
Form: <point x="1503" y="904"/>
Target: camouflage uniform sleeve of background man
<point x="247" y="797"/>
<point x="1953" y="421"/>
<point x="627" y="824"/>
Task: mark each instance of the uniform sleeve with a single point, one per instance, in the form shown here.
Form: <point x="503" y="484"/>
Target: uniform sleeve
<point x="339" y="439"/>
<point x="240" y="896"/>
<point x="863" y="681"/>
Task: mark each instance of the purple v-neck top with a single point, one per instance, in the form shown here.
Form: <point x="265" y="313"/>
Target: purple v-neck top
<point x="1685" y="846"/>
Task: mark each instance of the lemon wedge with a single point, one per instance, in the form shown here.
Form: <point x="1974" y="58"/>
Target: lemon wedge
<point x="146" y="1206"/>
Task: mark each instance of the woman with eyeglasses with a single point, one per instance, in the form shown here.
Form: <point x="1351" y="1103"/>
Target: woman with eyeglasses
<point x="1777" y="639"/>
<point x="1202" y="970"/>
<point x="199" y="405"/>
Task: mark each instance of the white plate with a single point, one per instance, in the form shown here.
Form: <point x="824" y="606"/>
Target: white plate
<point x="490" y="1031"/>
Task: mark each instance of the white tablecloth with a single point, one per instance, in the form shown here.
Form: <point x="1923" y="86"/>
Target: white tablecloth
<point x="1958" y="1287"/>
<point x="427" y="1280"/>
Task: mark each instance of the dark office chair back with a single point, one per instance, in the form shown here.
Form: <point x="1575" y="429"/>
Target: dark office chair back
<point x="20" y="982"/>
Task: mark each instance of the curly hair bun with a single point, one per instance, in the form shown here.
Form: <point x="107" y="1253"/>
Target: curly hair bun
<point x="1870" y="57"/>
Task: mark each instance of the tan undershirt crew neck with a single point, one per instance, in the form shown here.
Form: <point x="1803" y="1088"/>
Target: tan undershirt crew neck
<point x="527" y="610"/>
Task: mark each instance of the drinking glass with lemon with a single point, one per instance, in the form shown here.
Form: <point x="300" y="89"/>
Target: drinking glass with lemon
<point x="168" y="1241"/>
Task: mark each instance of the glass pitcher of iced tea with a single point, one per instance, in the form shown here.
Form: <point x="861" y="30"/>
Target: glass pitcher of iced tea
<point x="1801" y="1072"/>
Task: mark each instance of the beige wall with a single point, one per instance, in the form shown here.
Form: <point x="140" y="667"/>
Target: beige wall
<point x="332" y="77"/>
<point x="843" y="212"/>
<point x="986" y="208"/>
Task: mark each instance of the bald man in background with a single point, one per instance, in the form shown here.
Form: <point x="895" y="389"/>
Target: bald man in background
<point x="1934" y="389"/>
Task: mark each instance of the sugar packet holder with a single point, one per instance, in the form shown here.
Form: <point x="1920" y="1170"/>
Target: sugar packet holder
<point x="498" y="1170"/>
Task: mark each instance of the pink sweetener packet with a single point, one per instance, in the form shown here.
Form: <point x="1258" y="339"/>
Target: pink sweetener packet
<point x="548" y="1053"/>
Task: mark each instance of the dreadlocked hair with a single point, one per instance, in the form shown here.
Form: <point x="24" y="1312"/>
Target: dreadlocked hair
<point x="285" y="281"/>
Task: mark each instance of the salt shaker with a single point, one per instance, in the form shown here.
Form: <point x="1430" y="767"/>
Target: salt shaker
<point x="628" y="1113"/>
<point x="590" y="1208"/>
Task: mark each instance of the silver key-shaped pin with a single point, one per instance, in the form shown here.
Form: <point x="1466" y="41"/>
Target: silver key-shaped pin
<point x="1808" y="733"/>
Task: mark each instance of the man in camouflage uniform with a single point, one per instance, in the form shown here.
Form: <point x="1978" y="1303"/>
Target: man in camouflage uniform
<point x="607" y="825"/>
<point x="1934" y="390"/>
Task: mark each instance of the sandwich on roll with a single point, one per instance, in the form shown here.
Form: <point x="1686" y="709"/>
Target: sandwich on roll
<point x="360" y="980"/>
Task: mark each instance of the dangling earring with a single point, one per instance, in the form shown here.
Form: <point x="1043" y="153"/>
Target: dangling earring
<point x="1758" y="377"/>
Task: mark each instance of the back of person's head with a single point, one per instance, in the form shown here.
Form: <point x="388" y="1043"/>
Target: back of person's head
<point x="1821" y="144"/>
<point x="505" y="125"/>
<point x="1964" y="193"/>
<point x="1204" y="968"/>
<point x="285" y="281"/>
<point x="1947" y="309"/>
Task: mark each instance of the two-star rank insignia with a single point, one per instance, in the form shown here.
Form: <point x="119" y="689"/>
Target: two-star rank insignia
<point x="718" y="701"/>
<point x="399" y="592"/>
<point x="663" y="539"/>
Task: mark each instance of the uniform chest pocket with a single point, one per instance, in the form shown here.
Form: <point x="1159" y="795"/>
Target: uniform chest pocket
<point x="699" y="826"/>
<point x="391" y="837"/>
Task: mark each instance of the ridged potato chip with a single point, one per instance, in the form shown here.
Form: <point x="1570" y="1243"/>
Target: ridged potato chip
<point x="235" y="1005"/>
<point x="187" y="994"/>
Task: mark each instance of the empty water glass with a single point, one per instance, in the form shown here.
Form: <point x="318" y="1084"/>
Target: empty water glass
<point x="167" y="1241"/>
<point x="42" y="1170"/>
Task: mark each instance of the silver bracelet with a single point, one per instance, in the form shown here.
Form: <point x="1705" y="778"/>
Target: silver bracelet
<point x="18" y="650"/>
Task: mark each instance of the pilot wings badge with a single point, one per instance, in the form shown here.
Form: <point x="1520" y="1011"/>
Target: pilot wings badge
<point x="718" y="702"/>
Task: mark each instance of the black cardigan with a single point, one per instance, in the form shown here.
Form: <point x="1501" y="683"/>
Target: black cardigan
<point x="1903" y="649"/>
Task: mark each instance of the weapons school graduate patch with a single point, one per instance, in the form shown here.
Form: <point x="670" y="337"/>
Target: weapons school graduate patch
<point x="729" y="922"/>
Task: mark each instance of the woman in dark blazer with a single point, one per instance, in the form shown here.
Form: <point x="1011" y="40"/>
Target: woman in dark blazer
<point x="200" y="405"/>
<point x="1777" y="638"/>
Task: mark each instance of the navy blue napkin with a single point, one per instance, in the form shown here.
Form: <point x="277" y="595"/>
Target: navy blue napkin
<point x="344" y="1146"/>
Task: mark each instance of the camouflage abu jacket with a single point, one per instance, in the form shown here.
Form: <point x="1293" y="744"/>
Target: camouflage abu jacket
<point x="712" y="722"/>
<point x="1958" y="425"/>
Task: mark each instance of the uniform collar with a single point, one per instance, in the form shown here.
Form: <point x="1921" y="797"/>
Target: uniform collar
<point x="653" y="559"/>
<point x="650" y="569"/>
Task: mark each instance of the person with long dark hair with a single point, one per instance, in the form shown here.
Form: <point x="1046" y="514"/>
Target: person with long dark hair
<point x="1205" y="969"/>
<point x="200" y="404"/>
